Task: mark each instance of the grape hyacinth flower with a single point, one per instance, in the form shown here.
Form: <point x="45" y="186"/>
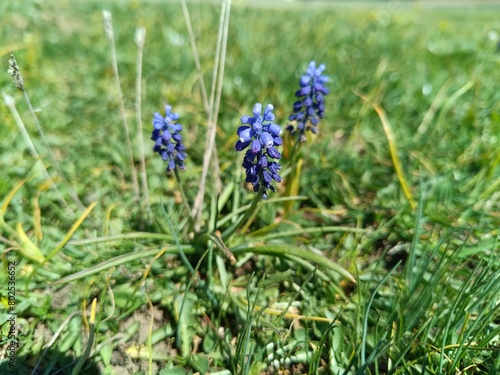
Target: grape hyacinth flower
<point x="262" y="135"/>
<point x="310" y="108"/>
<point x="168" y="138"/>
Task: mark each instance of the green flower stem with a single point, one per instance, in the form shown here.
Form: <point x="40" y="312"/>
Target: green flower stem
<point x="250" y="219"/>
<point x="230" y="231"/>
<point x="292" y="173"/>
<point x="294" y="155"/>
<point x="184" y="199"/>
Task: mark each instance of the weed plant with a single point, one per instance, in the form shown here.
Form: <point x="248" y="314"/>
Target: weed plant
<point x="249" y="189"/>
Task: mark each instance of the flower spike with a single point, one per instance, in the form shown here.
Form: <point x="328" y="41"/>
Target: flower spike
<point x="168" y="139"/>
<point x="308" y="111"/>
<point x="263" y="136"/>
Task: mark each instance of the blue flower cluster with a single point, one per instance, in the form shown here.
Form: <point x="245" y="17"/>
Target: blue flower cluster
<point x="262" y="135"/>
<point x="168" y="139"/>
<point x="310" y="108"/>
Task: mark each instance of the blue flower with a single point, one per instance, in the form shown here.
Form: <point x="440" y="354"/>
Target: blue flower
<point x="310" y="108"/>
<point x="263" y="136"/>
<point x="168" y="139"/>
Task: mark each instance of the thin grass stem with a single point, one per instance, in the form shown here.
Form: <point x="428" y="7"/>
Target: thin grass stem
<point x="196" y="55"/>
<point x="11" y="104"/>
<point x="72" y="192"/>
<point x="108" y="29"/>
<point x="213" y="114"/>
<point x="221" y="32"/>
<point x="209" y="107"/>
<point x="19" y="83"/>
<point x="140" y="38"/>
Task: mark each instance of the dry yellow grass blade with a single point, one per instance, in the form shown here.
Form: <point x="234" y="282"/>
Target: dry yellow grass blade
<point x="393" y="150"/>
<point x="71" y="231"/>
<point x="9" y="196"/>
<point x="243" y="303"/>
<point x="107" y="219"/>
<point x="146" y="273"/>
<point x="84" y="315"/>
<point x="93" y="311"/>
<point x="27" y="247"/>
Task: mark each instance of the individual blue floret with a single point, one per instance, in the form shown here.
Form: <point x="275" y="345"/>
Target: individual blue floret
<point x="168" y="139"/>
<point x="263" y="136"/>
<point x="308" y="111"/>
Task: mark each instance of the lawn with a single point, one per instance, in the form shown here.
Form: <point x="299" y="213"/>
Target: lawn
<point x="376" y="254"/>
